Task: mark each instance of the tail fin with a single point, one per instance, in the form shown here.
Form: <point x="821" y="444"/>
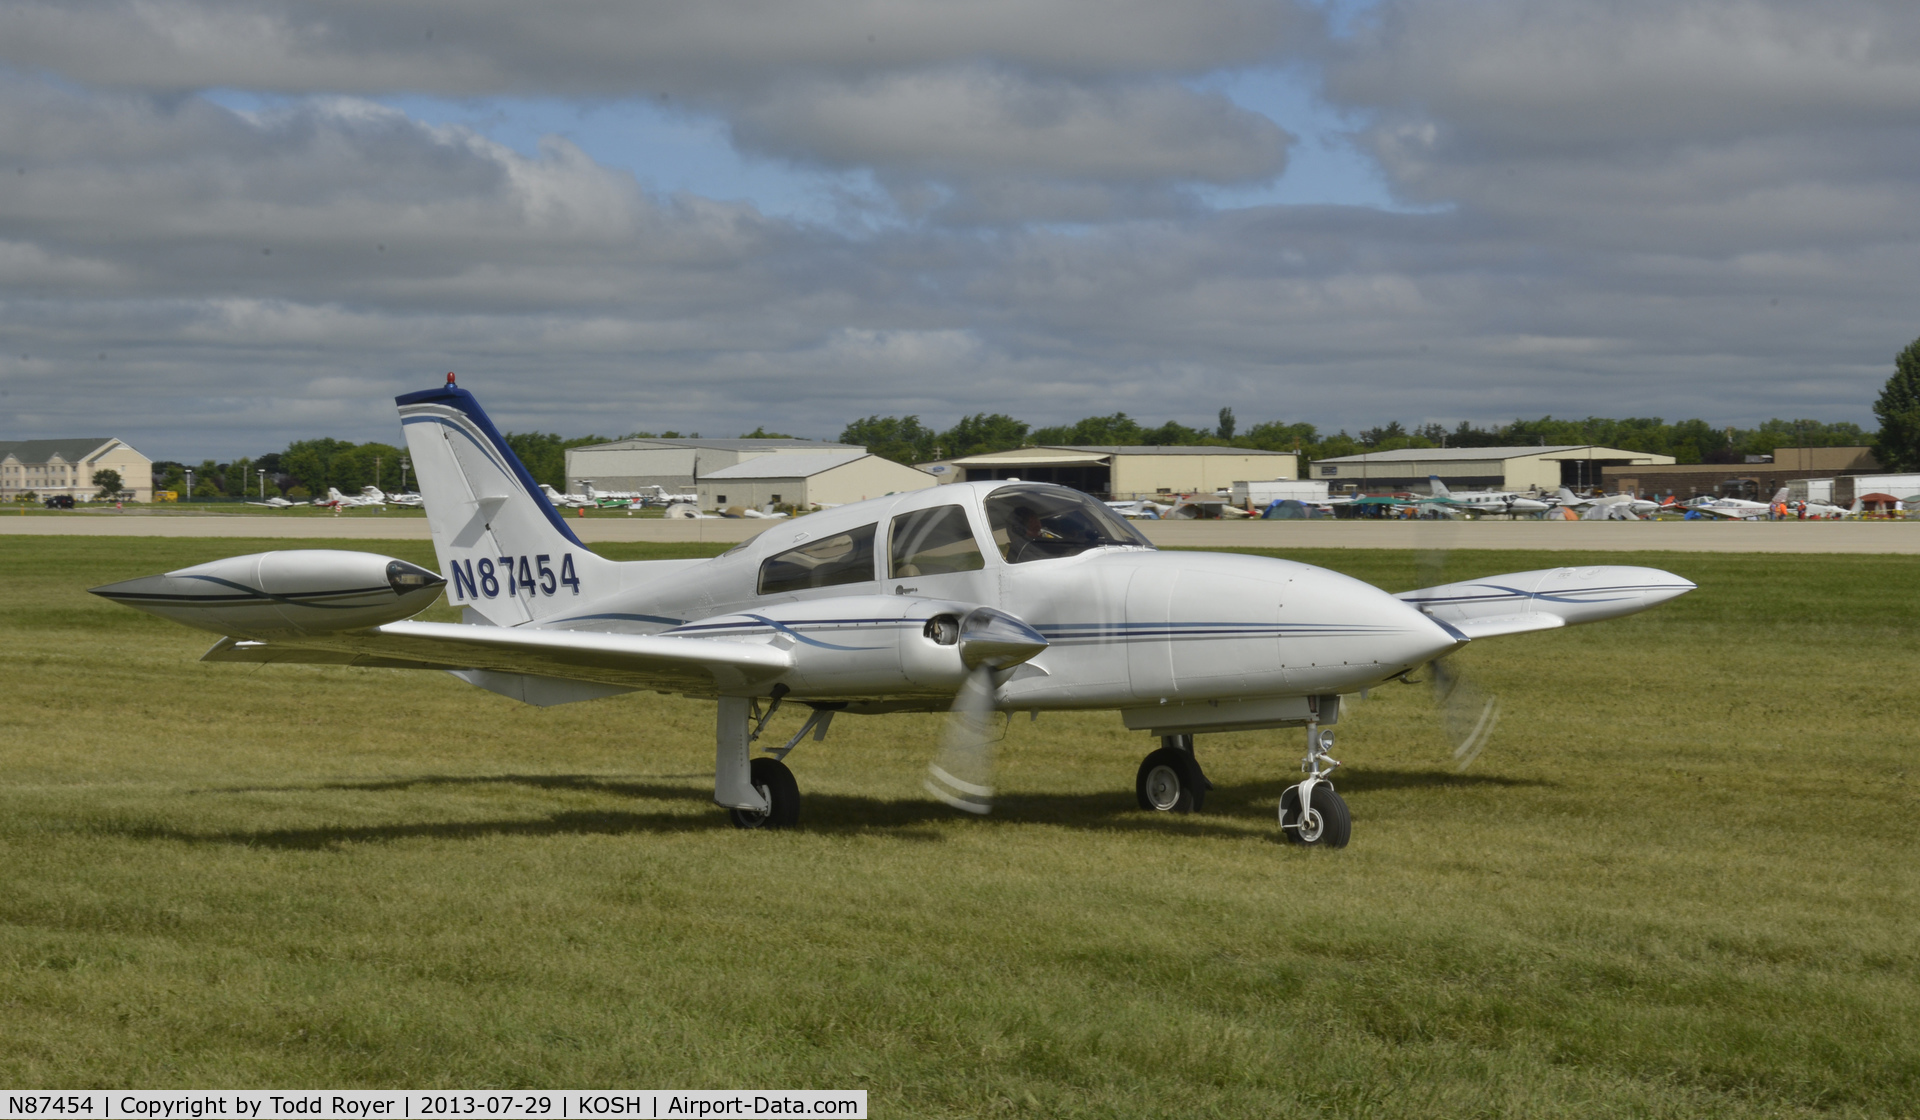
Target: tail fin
<point x="1779" y="496"/>
<point x="1438" y="488"/>
<point x="503" y="549"/>
<point x="1566" y="496"/>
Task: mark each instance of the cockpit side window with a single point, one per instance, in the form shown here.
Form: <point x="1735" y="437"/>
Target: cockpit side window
<point x="829" y="562"/>
<point x="1036" y="521"/>
<point x="931" y="542"/>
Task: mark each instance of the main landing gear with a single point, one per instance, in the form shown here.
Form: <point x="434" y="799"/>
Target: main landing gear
<point x="1310" y="812"/>
<point x="1170" y="780"/>
<point x="759" y="792"/>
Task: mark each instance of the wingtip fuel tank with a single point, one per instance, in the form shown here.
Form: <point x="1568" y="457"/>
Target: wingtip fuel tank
<point x="283" y="594"/>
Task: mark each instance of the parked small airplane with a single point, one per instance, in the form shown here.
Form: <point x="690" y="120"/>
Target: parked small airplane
<point x="409" y="499"/>
<point x="567" y="501"/>
<point x="976" y="597"/>
<point x="277" y="503"/>
<point x="1483" y="501"/>
<point x="1739" y="508"/>
<point x="368" y="498"/>
<point x="1638" y="507"/>
<point x="1140" y="509"/>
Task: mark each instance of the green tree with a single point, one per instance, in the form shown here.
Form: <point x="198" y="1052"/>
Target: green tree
<point x="1273" y="435"/>
<point x="1898" y="411"/>
<point x="760" y="432"/>
<point x="1225" y="430"/>
<point x="900" y="438"/>
<point x="981" y="433"/>
<point x="1118" y="430"/>
<point x="310" y="462"/>
<point x="206" y="479"/>
<point x="109" y="483"/>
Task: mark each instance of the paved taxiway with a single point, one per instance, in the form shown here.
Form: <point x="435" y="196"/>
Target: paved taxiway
<point x="1557" y="536"/>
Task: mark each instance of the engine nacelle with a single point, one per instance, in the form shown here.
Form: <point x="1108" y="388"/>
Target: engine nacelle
<point x="878" y="645"/>
<point x="284" y="594"/>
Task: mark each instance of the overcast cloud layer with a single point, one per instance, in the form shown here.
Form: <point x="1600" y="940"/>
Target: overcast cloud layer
<point x="1618" y="207"/>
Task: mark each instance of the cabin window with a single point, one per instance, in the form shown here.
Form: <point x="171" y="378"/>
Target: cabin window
<point x="1038" y="521"/>
<point x="828" y="562"/>
<point x="931" y="542"/>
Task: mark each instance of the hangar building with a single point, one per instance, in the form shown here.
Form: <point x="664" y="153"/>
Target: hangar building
<point x="1481" y="468"/>
<point x="629" y="464"/>
<point x="1127" y="472"/>
<point x="66" y="466"/>
<point x="1757" y="481"/>
<point x="826" y="478"/>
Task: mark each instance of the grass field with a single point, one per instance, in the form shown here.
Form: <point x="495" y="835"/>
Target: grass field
<point x="1680" y="882"/>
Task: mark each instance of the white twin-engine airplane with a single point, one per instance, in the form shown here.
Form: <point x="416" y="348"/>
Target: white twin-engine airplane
<point x="978" y="597"/>
<point x="1484" y="501"/>
<point x="370" y="497"/>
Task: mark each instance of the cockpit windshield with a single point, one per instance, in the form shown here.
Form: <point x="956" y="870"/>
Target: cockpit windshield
<point x="1039" y="521"/>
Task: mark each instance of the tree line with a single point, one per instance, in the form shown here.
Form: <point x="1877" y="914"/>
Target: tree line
<point x="905" y="439"/>
<point x="308" y="467"/>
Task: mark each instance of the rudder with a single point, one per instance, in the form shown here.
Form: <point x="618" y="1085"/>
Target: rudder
<point x="503" y="548"/>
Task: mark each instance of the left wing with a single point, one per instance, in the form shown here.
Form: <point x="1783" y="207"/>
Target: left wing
<point x="1545" y="599"/>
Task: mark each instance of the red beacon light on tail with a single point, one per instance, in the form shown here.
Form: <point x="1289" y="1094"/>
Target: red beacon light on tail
<point x="449" y="379"/>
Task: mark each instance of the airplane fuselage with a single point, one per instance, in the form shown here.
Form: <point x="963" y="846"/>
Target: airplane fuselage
<point x="1127" y="626"/>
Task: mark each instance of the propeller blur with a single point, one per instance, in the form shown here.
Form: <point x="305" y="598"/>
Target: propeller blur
<point x="980" y="598"/>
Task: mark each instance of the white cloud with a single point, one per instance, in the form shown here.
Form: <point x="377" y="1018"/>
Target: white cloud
<point x="1696" y="209"/>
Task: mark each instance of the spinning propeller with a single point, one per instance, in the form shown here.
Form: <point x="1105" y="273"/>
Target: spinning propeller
<point x="1468" y="713"/>
<point x="990" y="641"/>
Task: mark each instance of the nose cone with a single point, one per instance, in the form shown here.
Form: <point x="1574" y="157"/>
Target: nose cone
<point x="997" y="639"/>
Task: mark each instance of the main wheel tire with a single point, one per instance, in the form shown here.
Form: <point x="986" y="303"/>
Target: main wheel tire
<point x="1328" y="825"/>
<point x="775" y="782"/>
<point x="1169" y="782"/>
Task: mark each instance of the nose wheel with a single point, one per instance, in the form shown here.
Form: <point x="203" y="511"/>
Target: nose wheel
<point x="1311" y="814"/>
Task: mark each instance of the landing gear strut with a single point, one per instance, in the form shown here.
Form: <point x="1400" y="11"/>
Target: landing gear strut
<point x="1170" y="779"/>
<point x="1310" y="812"/>
<point x="760" y="793"/>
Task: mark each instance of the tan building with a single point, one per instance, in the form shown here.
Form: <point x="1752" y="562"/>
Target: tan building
<point x="66" y="466"/>
<point x="1480" y="468"/>
<point x="1830" y="460"/>
<point x="676" y="464"/>
<point x="824" y="478"/>
<point x="1756" y="481"/>
<point x="1126" y="472"/>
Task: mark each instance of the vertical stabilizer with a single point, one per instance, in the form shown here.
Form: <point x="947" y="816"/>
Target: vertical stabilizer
<point x="503" y="548"/>
<point x="1438" y="488"/>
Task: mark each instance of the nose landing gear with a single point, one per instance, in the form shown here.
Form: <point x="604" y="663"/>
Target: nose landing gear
<point x="1310" y="812"/>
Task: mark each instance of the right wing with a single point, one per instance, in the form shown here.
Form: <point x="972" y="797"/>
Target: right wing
<point x="693" y="666"/>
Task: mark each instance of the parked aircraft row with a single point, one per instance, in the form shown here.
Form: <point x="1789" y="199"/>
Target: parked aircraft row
<point x="370" y="497"/>
<point x="1445" y="502"/>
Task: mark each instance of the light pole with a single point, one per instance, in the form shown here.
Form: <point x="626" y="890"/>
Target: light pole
<point x="189" y="483"/>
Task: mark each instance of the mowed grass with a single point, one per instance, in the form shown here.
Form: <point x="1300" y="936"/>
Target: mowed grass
<point x="1680" y="881"/>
